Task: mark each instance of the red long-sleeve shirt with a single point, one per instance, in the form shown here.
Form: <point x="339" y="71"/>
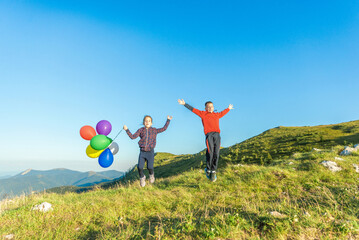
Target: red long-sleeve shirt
<point x="210" y="121"/>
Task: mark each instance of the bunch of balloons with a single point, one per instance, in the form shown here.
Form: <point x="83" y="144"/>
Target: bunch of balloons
<point x="100" y="146"/>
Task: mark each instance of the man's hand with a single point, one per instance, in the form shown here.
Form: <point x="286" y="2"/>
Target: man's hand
<point x="125" y="127"/>
<point x="181" y="101"/>
<point x="169" y="117"/>
<point x="230" y="107"/>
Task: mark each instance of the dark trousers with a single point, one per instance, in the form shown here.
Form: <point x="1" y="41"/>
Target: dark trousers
<point x="148" y="157"/>
<point x="213" y="142"/>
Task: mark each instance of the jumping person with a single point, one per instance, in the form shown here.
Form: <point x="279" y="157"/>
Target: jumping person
<point x="210" y="121"/>
<point x="147" y="144"/>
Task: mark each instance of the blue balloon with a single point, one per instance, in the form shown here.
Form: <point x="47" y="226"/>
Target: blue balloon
<point x="106" y="158"/>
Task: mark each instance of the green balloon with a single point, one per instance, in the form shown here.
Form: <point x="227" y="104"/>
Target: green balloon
<point x="100" y="142"/>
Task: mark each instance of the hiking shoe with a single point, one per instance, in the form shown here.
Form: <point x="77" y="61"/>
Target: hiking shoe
<point x="143" y="181"/>
<point x="152" y="178"/>
<point x="208" y="173"/>
<point x="213" y="176"/>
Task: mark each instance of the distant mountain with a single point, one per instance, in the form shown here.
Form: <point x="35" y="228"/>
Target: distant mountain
<point x="35" y="180"/>
<point x="6" y="176"/>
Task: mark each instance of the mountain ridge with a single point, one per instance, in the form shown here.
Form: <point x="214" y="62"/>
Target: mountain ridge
<point x="32" y="180"/>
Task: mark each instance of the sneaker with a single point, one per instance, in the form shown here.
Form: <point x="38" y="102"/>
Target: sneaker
<point x="152" y="178"/>
<point x="213" y="176"/>
<point x="143" y="181"/>
<point x="208" y="173"/>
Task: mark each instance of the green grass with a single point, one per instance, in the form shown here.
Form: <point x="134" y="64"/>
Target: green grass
<point x="283" y="141"/>
<point x="188" y="206"/>
<point x="314" y="202"/>
<point x="272" y="144"/>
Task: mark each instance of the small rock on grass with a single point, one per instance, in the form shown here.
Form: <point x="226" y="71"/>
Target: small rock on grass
<point x="348" y="150"/>
<point x="356" y="166"/>
<point x="43" y="207"/>
<point x="332" y="166"/>
<point x="277" y="214"/>
<point x="9" y="236"/>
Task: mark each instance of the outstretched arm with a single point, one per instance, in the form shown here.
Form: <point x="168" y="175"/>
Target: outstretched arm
<point x="159" y="130"/>
<point x="134" y="136"/>
<point x="192" y="109"/>
<point x="225" y="111"/>
<point x="182" y="102"/>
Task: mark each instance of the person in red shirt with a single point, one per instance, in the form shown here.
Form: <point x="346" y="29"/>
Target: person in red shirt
<point x="210" y="121"/>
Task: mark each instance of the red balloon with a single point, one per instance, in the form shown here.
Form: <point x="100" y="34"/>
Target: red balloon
<point x="87" y="132"/>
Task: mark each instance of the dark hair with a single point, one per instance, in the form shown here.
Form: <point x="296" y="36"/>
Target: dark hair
<point x="145" y="119"/>
<point x="207" y="103"/>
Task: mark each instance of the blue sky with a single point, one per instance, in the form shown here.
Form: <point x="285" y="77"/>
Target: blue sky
<point x="65" y="64"/>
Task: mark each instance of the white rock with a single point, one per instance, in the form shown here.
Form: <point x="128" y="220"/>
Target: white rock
<point x="338" y="159"/>
<point x="348" y="150"/>
<point x="356" y="166"/>
<point x="290" y="163"/>
<point x="10" y="236"/>
<point x="332" y="166"/>
<point x="277" y="214"/>
<point x="43" y="207"/>
<point x="316" y="149"/>
<point x="307" y="214"/>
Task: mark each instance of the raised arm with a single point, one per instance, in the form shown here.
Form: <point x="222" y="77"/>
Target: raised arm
<point x="189" y="107"/>
<point x="225" y="111"/>
<point x="159" y="130"/>
<point x="134" y="136"/>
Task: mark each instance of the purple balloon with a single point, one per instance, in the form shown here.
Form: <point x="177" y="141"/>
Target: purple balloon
<point x="103" y="127"/>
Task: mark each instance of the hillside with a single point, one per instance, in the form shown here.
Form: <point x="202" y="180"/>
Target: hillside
<point x="310" y="202"/>
<point x="283" y="141"/>
<point x="274" y="143"/>
<point x="292" y="196"/>
<point x="261" y="149"/>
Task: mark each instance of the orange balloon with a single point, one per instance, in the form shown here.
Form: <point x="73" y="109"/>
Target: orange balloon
<point x="87" y="132"/>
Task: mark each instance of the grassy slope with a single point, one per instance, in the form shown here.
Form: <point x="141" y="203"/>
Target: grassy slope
<point x="183" y="204"/>
<point x="262" y="149"/>
<point x="283" y="141"/>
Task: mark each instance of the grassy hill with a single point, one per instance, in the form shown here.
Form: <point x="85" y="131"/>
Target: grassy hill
<point x="283" y="141"/>
<point x="314" y="202"/>
<point x="279" y="142"/>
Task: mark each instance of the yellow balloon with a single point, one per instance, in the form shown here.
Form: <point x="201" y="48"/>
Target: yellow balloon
<point x="92" y="153"/>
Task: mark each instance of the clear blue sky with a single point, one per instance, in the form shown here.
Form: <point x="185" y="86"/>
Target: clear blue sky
<point x="65" y="64"/>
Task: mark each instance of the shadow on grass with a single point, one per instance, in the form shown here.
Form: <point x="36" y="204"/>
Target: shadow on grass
<point x="354" y="139"/>
<point x="90" y="235"/>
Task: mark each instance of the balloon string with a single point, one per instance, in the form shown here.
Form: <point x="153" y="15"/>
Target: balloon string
<point x="117" y="135"/>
